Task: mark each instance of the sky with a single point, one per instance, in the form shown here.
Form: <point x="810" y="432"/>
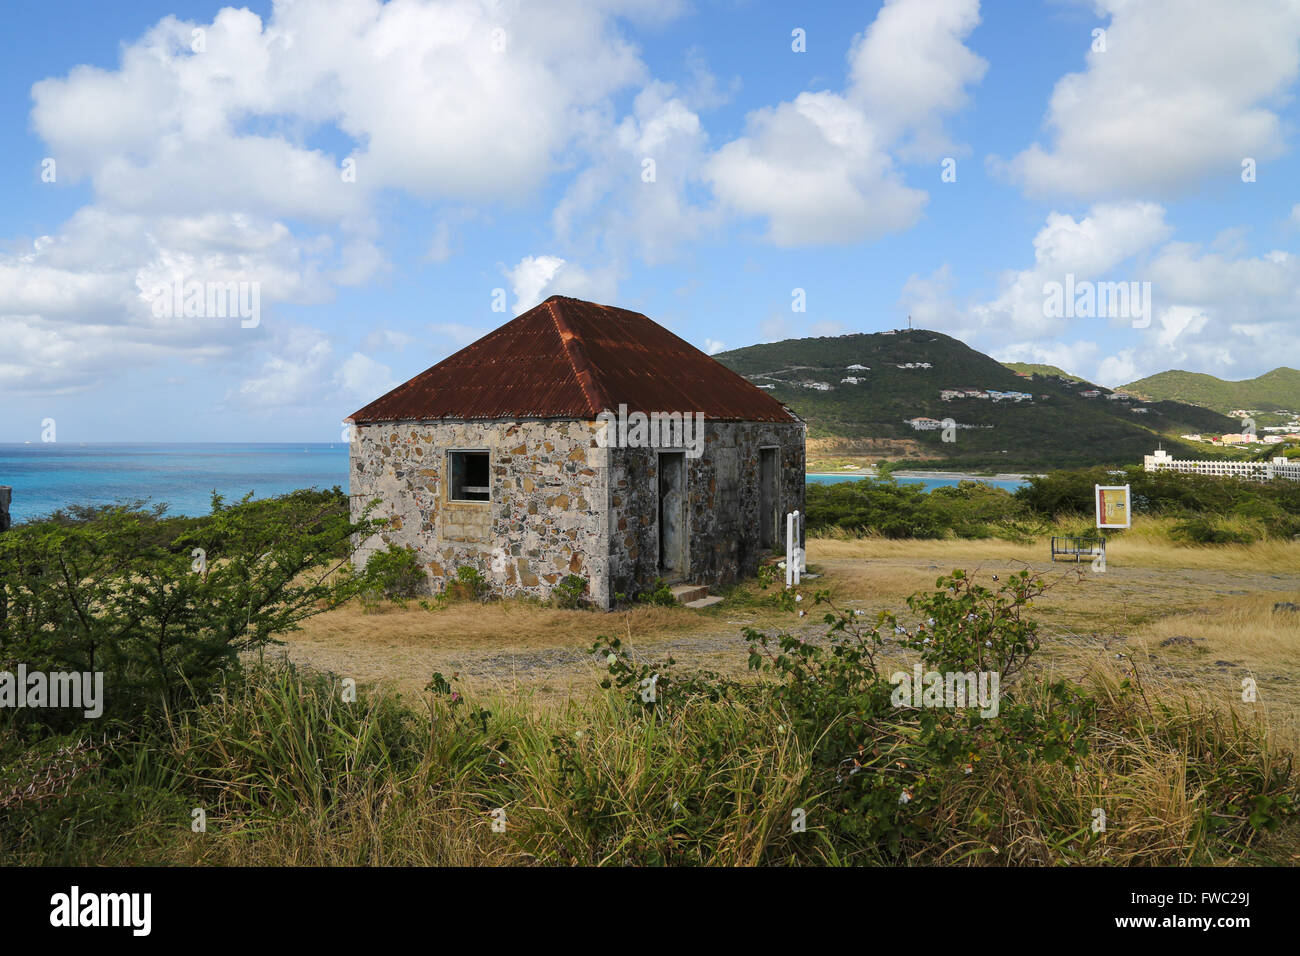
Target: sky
<point x="243" y="224"/>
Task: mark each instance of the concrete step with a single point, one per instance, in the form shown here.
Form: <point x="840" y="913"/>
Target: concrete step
<point x="709" y="601"/>
<point x="685" y="593"/>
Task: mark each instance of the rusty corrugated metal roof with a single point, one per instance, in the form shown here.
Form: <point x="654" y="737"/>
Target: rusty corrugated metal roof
<point x="567" y="358"/>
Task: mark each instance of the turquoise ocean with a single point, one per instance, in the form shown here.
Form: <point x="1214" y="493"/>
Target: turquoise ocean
<point x="48" y="476"/>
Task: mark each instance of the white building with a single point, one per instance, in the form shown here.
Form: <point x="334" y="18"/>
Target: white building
<point x="923" y="424"/>
<point x="1256" y="470"/>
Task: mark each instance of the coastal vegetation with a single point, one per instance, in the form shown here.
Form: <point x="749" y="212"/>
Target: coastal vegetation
<point x="1197" y="509"/>
<point x="782" y="743"/>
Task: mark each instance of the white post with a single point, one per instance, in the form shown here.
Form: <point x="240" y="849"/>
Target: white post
<point x="793" y="555"/>
<point x="798" y="537"/>
<point x="789" y="558"/>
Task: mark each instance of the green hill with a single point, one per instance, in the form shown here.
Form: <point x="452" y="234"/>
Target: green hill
<point x="1035" y="368"/>
<point x="1273" y="391"/>
<point x="1057" y="428"/>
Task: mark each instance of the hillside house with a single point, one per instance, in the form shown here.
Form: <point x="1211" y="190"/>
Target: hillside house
<point x="579" y="439"/>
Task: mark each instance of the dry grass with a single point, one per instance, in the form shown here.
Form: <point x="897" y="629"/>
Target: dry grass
<point x="1220" y="596"/>
<point x="497" y="648"/>
<point x="526" y="663"/>
<point x="1247" y="629"/>
<point x="1145" y="546"/>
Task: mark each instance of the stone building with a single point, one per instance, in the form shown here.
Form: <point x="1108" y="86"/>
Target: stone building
<point x="579" y="439"/>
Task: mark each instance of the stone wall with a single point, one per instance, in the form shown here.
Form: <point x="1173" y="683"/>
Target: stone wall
<point x="723" y="511"/>
<point x="547" y="513"/>
<point x="560" y="504"/>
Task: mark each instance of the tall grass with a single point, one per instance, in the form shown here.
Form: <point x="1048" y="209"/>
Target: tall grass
<point x="288" y="773"/>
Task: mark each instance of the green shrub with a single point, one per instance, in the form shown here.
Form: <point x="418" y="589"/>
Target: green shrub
<point x="569" y="592"/>
<point x="394" y="574"/>
<point x="660" y="594"/>
<point x="693" y="768"/>
<point x="469" y="584"/>
<point x="164" y="618"/>
<point x="1202" y="530"/>
<point x="878" y="769"/>
<point x="973" y="509"/>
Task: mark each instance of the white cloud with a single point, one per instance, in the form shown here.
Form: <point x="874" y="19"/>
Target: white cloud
<point x="501" y="90"/>
<point x="1088" y="248"/>
<point x="1176" y="320"/>
<point x="197" y="160"/>
<point x="634" y="193"/>
<point x="1212" y="308"/>
<point x="535" y="278"/>
<point x="294" y="376"/>
<point x="713" y="347"/>
<point x="1184" y="89"/>
<point x="78" y="305"/>
<point x="364" y="378"/>
<point x="1075" y="357"/>
<point x="1101" y="240"/>
<point x="817" y="171"/>
<point x="820" y="169"/>
<point x="530" y="278"/>
<point x="301" y="369"/>
<point x="930" y="303"/>
<point x="911" y="68"/>
<point x="1116" y="370"/>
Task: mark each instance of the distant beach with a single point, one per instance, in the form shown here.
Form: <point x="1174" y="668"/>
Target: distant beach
<point x="47" y="477"/>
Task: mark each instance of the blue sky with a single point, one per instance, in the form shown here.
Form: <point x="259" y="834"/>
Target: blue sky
<point x="499" y="154"/>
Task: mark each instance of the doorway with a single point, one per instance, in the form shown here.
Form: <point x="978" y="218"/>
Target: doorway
<point x="672" y="516"/>
<point x="769" y="503"/>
